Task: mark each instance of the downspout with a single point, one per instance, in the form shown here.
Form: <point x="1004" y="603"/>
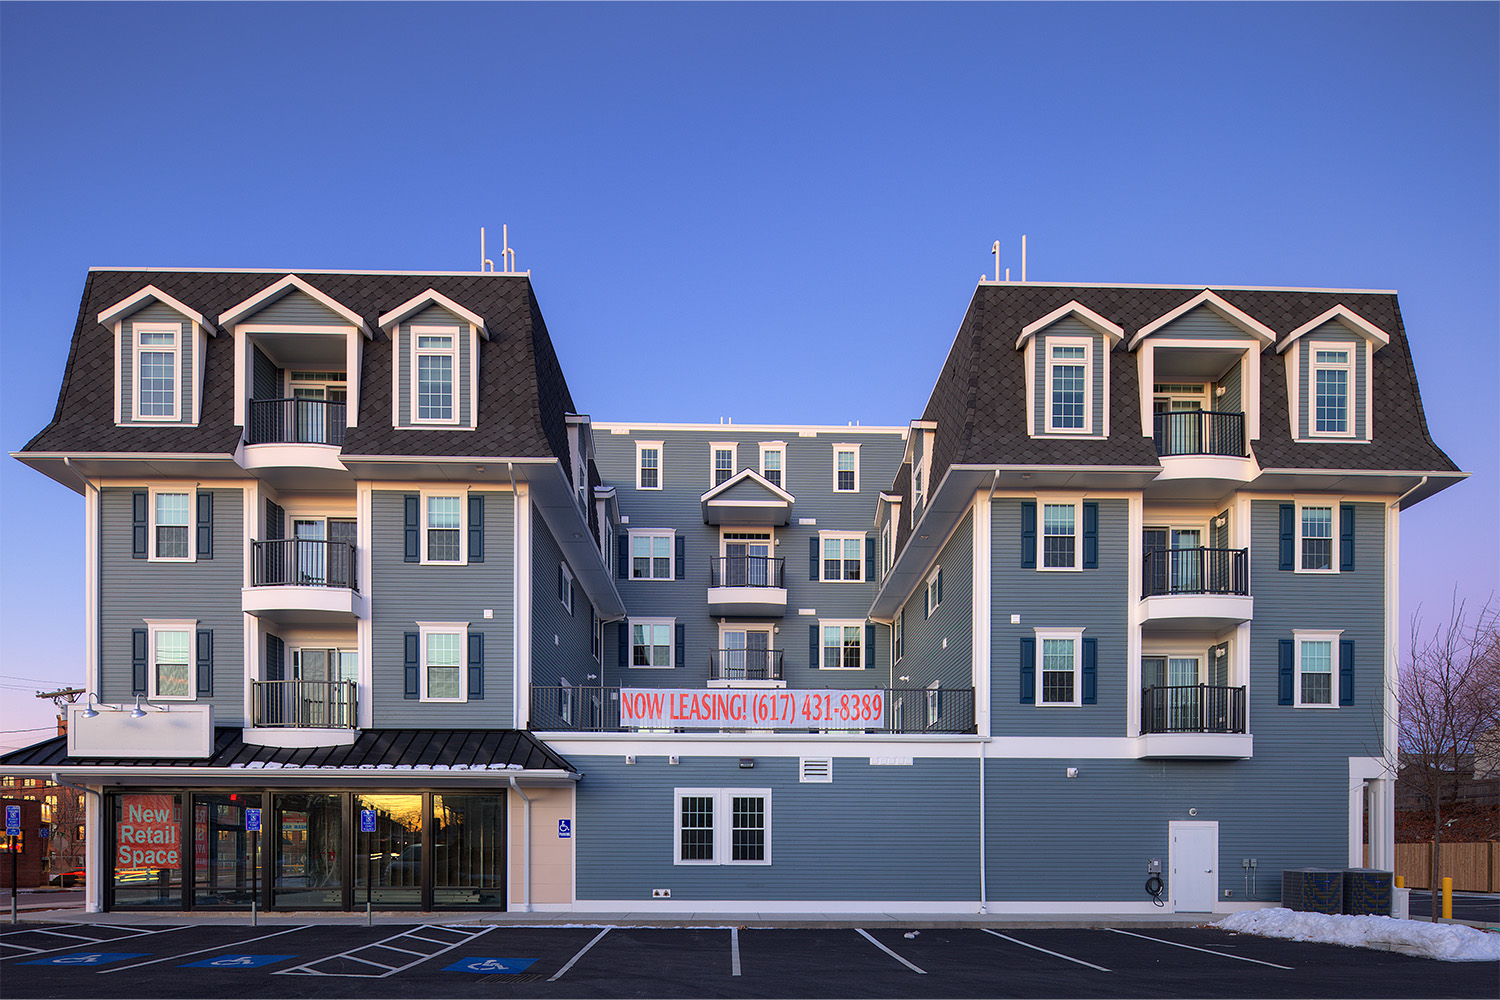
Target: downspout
<point x="95" y="903"/>
<point x="984" y="903"/>
<point x="525" y="845"/>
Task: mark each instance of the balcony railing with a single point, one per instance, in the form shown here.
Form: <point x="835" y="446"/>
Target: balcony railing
<point x="305" y="704"/>
<point x="747" y="664"/>
<point x="296" y="421"/>
<point x="1200" y="432"/>
<point x="1195" y="571"/>
<point x="747" y="571"/>
<point x="304" y="562"/>
<point x="908" y="710"/>
<point x="1192" y="708"/>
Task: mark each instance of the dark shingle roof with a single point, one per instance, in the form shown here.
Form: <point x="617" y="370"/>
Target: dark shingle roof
<point x="522" y="393"/>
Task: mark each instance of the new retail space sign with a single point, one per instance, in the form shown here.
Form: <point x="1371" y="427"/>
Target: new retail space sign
<point x="730" y="708"/>
<point x="148" y="834"/>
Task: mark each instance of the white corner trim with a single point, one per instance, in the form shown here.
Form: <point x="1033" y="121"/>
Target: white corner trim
<point x="1209" y="298"/>
<point x="1086" y="315"/>
<point x="431" y="296"/>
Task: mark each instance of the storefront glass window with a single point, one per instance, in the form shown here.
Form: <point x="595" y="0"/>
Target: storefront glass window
<point x="147" y="861"/>
<point x="388" y="861"/>
<point x="468" y="835"/>
<point x="307" y="831"/>
<point x="222" y="863"/>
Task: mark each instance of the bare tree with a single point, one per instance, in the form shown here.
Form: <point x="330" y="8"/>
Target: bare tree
<point x="1450" y="704"/>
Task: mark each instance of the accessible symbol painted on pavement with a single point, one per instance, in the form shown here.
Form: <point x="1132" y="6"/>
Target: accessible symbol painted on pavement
<point x="237" y="962"/>
<point x="88" y="958"/>
<point x="487" y="965"/>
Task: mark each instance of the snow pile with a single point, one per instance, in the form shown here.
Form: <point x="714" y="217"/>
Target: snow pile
<point x="1449" y="942"/>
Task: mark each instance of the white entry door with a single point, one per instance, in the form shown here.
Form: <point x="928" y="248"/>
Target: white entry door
<point x="1194" y="863"/>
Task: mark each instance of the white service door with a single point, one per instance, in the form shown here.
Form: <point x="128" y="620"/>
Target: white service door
<point x="1194" y="863"/>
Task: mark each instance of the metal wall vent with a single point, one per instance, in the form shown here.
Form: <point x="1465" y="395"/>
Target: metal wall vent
<point x="816" y="770"/>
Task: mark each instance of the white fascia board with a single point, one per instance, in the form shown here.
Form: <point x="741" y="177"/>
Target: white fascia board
<point x="1208" y="298"/>
<point x="1354" y="322"/>
<point x="431" y="297"/>
<point x="1223" y="288"/>
<point x="748" y="474"/>
<point x="630" y="427"/>
<point x="1086" y="315"/>
<point x="145" y="297"/>
<point x="262" y="299"/>
<point x="202" y="777"/>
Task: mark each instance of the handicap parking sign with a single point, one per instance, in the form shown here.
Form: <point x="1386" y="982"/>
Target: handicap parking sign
<point x="237" y="961"/>
<point x="88" y="958"/>
<point x="367" y="821"/>
<point x="486" y="965"/>
<point x="252" y="820"/>
<point x="564" y="829"/>
<point x="12" y="821"/>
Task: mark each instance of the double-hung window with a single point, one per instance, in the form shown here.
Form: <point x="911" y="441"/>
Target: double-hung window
<point x="934" y="593"/>
<point x="1060" y="666"/>
<point x="1316" y="652"/>
<point x="170" y="677"/>
<point x="1067" y="405"/>
<point x="846" y="468"/>
<point x="721" y="826"/>
<point x="651" y="555"/>
<point x="843" y="556"/>
<point x="1315" y="538"/>
<point x="651" y="642"/>
<point x="443" y="675"/>
<point x="843" y="645"/>
<point x="443" y="537"/>
<point x="1060" y="548"/>
<point x="171" y="525"/>
<point x="648" y="465"/>
<point x="772" y="455"/>
<point x="1332" y="379"/>
<point x="723" y="463"/>
<point x="156" y="367"/>
<point x="565" y="587"/>
<point x="434" y="371"/>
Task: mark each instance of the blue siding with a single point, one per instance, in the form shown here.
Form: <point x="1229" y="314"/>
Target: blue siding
<point x="296" y="308"/>
<point x="560" y="644"/>
<point x="924" y="659"/>
<point x="268" y="383"/>
<point x="1072" y="327"/>
<point x="1233" y="400"/>
<point x="1203" y="323"/>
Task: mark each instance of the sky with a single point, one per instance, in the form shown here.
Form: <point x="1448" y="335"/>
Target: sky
<point x="765" y="212"/>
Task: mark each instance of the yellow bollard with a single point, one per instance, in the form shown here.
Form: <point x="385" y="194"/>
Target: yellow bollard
<point x="1400" y="881"/>
<point x="1447" y="898"/>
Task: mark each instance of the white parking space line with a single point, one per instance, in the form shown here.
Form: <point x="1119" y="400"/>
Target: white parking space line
<point x="103" y="940"/>
<point x="581" y="952"/>
<point x="1054" y="954"/>
<point x="66" y="934"/>
<point x="734" y="951"/>
<point x="200" y="951"/>
<point x="463" y="936"/>
<point x="867" y="937"/>
<point x="1206" y="951"/>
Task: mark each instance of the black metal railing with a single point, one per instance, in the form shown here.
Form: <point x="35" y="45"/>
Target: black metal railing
<point x="305" y="704"/>
<point x="296" y="421"/>
<point x="1200" y="432"/>
<point x="1195" y="571"/>
<point x="1192" y="708"/>
<point x="747" y="571"/>
<point x="747" y="664"/>
<point x="595" y="709"/>
<point x="304" y="562"/>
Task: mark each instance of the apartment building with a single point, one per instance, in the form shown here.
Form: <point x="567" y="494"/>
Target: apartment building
<point x="376" y="613"/>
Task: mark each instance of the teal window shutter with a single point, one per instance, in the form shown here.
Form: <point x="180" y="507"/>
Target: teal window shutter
<point x="476" y="530"/>
<point x="1346" y="671"/>
<point x="1090" y="671"/>
<point x="624" y="658"/>
<point x="681" y="558"/>
<point x="1028" y="534"/>
<point x="412" y="520"/>
<point x="813" y="659"/>
<point x="812" y="558"/>
<point x="1284" y="668"/>
<point x="1288" y="538"/>
<point x="138" y="661"/>
<point x="205" y="540"/>
<point x="1346" y="537"/>
<point x="476" y="666"/>
<point x="1090" y="536"/>
<point x="138" y="513"/>
<point x="1028" y="671"/>
<point x="412" y="667"/>
<point x="205" y="662"/>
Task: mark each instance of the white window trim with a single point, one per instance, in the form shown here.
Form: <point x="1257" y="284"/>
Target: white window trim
<point x="444" y="628"/>
<point x="826" y="623"/>
<point x="661" y="456"/>
<point x="1087" y="343"/>
<point x="723" y="819"/>
<point x="836" y="450"/>
<point x="734" y="461"/>
<point x="428" y="330"/>
<point x="887" y="543"/>
<point x="934" y="598"/>
<point x="777" y="446"/>
<point x="1351" y="395"/>
<point x="192" y="525"/>
<point x="175" y="329"/>
<point x="565" y="700"/>
<point x="1334" y="504"/>
<point x="566" y="594"/>
<point x="463" y="527"/>
<point x="898" y="635"/>
<point x="596" y="638"/>
<point x="841" y="536"/>
<point x="671" y="625"/>
<point x="1074" y="634"/>
<point x="670" y="534"/>
<point x="932" y="709"/>
<point x="1042" y="503"/>
<point x="155" y="625"/>
<point x="1330" y="636"/>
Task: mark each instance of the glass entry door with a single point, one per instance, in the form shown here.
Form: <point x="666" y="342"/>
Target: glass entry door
<point x="747" y="558"/>
<point x="318" y="699"/>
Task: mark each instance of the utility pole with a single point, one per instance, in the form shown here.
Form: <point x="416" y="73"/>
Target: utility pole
<point x="65" y="816"/>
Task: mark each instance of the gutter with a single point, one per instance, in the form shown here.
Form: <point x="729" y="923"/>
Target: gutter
<point x="525" y="845"/>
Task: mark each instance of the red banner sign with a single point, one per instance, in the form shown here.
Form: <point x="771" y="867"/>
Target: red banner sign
<point x="731" y="708"/>
<point x="149" y="835"/>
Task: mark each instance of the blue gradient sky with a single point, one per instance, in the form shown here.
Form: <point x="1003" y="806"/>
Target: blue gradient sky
<point x="765" y="212"/>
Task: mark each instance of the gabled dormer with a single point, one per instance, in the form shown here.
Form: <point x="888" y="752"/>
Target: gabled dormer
<point x="747" y="498"/>
<point x="918" y="456"/>
<point x="1067" y="373"/>
<point x="160" y="351"/>
<point x="435" y="370"/>
<point x="1328" y="366"/>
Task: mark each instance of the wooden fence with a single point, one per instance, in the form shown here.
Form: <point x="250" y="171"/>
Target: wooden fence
<point x="1473" y="867"/>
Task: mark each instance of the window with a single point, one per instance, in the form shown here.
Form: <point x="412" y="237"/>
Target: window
<point x="443" y="674"/>
<point x="1059" y="536"/>
<point x="846" y="468"/>
<point x="843" y="556"/>
<point x="434" y="368"/>
<point x="723" y="463"/>
<point x="170" y="677"/>
<point x="1068" y="403"/>
<point x="1315" y="669"/>
<point x="896" y="636"/>
<point x="565" y="586"/>
<point x="721" y="826"/>
<point x="648" y="465"/>
<point x="916" y="493"/>
<point x="934" y="595"/>
<point x="651" y="642"/>
<point x="1315" y="539"/>
<point x="772" y="455"/>
<point x="651" y="555"/>
<point x="885" y="544"/>
<point x="596" y="635"/>
<point x="156" y="370"/>
<point x="171" y="525"/>
<point x="1058" y="674"/>
<point x="1332" y="375"/>
<point x="843" y="645"/>
<point x="443" y="537"/>
<point x="934" y="703"/>
<point x="565" y="701"/>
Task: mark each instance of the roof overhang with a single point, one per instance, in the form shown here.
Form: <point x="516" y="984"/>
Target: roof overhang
<point x="1410" y="486"/>
<point x="1252" y="326"/>
<point x="291" y="282"/>
<point x="144" y="298"/>
<point x="432" y="296"/>
<point x="67" y="467"/>
<point x="291" y="777"/>
<point x="773" y="508"/>
<point x="1114" y="332"/>
<point x="1351" y="320"/>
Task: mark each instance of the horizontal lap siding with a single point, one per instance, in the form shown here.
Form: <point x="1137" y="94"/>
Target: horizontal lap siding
<point x="296" y="308"/>
<point x="824" y="844"/>
<point x="1099" y="362"/>
<point x="924" y="659"/>
<point x="133" y="590"/>
<point x="1232" y="400"/>
<point x="403" y="593"/>
<point x="560" y="644"/>
<point x="1203" y="323"/>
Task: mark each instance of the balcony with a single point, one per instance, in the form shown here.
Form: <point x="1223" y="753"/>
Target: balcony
<point x="296" y="442"/>
<point x="304" y="581"/>
<point x="1197" y="588"/>
<point x="1194" y="721"/>
<point x="1202" y="444"/>
<point x="304" y="713"/>
<point x="747" y="665"/>
<point x="753" y="586"/>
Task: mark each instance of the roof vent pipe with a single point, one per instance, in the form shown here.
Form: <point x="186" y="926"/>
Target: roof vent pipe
<point x="485" y="264"/>
<point x="996" y="251"/>
<point x="507" y="255"/>
<point x="1023" y="257"/>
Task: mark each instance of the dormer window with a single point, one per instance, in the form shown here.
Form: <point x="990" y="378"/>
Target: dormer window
<point x="435" y="360"/>
<point x="436" y="353"/>
<point x="1067" y="372"/>
<point x="1329" y="361"/>
<point x="159" y="358"/>
<point x="156" y="366"/>
<point x="1332" y="377"/>
<point x="1068" y="367"/>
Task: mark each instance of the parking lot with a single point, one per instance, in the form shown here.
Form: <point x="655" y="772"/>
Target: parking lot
<point x="97" y="960"/>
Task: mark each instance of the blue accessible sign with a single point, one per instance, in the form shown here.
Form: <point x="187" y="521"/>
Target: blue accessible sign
<point x="237" y="962"/>
<point x="88" y="958"/>
<point x="564" y="829"/>
<point x="487" y="965"/>
<point x="367" y="821"/>
<point x="252" y="820"/>
<point x="12" y="821"/>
